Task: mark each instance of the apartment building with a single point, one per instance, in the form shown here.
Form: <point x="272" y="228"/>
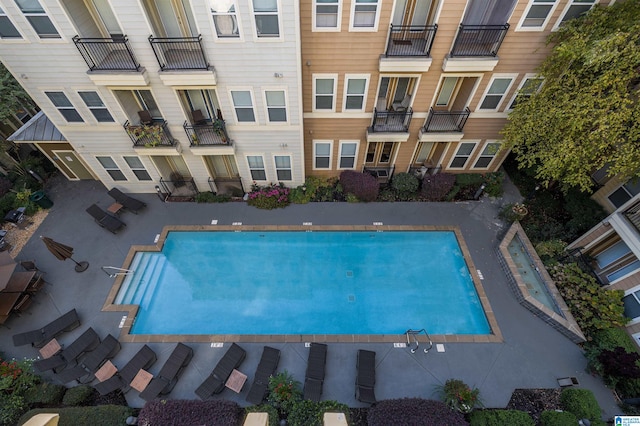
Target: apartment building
<point x="174" y="96"/>
<point x="421" y="86"/>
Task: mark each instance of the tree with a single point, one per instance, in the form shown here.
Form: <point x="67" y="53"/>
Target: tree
<point x="586" y="114"/>
<point x="12" y="96"/>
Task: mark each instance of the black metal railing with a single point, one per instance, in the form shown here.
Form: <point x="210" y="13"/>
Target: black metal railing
<point x="383" y="174"/>
<point x="178" y="188"/>
<point x="391" y="121"/>
<point x="421" y="171"/>
<point x="179" y="53"/>
<point x="107" y="54"/>
<point x="149" y="135"/>
<point x="478" y="40"/>
<point x="632" y="213"/>
<point x="411" y="40"/>
<point x="226" y="186"/>
<point x="207" y="134"/>
<point x="446" y="121"/>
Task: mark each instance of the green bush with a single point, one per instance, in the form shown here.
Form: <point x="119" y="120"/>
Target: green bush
<point x="629" y="388"/>
<point x="606" y="339"/>
<point x="210" y="197"/>
<point x="268" y="197"/>
<point x="299" y="195"/>
<point x="102" y="415"/>
<point x="405" y="185"/>
<point x="78" y="395"/>
<point x="557" y="418"/>
<point x="580" y="402"/>
<point x="583" y="211"/>
<point x="550" y="249"/>
<point x="274" y="419"/>
<point x="11" y="408"/>
<point x="7" y="201"/>
<point x="44" y="394"/>
<point x="493" y="182"/>
<point x="310" y="413"/>
<point x="387" y="194"/>
<point x="500" y="418"/>
<point x="284" y="392"/>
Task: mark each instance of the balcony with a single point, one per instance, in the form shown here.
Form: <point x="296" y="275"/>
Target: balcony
<point x="446" y="121"/>
<point x="632" y="214"/>
<point x="111" y="61"/>
<point x="476" y="48"/>
<point x="211" y="133"/>
<point x="390" y="126"/>
<point x="179" y="53"/>
<point x="149" y="135"/>
<point x="408" y="48"/>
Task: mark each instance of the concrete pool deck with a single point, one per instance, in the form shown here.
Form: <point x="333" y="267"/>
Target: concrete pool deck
<point x="532" y="354"/>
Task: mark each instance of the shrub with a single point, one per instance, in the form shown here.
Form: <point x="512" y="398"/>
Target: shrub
<point x="584" y="213"/>
<point x="274" y="418"/>
<point x="581" y="402"/>
<point x="620" y="363"/>
<point x="557" y="418"/>
<point x="500" y="418"/>
<point x="628" y="388"/>
<point x="363" y="185"/>
<point x="493" y="184"/>
<point x="310" y="413"/>
<point x="78" y="395"/>
<point x="268" y="197"/>
<point x="102" y="415"/>
<point x="210" y="197"/>
<point x="414" y="411"/>
<point x="606" y="339"/>
<point x="190" y="412"/>
<point x="284" y="392"/>
<point x="405" y="185"/>
<point x="466" y="186"/>
<point x="436" y="187"/>
<point x="7" y="202"/>
<point x="550" y="249"/>
<point x="387" y="194"/>
<point x="5" y="186"/>
<point x="44" y="394"/>
<point x="458" y="396"/>
<point x="11" y="408"/>
<point x="299" y="195"/>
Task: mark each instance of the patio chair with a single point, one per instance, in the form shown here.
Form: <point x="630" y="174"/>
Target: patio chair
<point x="215" y="382"/>
<point x="129" y="203"/>
<point x="266" y="367"/>
<point x="104" y="219"/>
<point x="87" y="341"/>
<point x="29" y="266"/>
<point x="402" y="106"/>
<point x="91" y="362"/>
<point x="366" y="376"/>
<point x="314" y="377"/>
<point x="22" y="304"/>
<point x="36" y="284"/>
<point x="39" y="337"/>
<point x="145" y="117"/>
<point x="143" y="359"/>
<point x="198" y="117"/>
<point x="169" y="374"/>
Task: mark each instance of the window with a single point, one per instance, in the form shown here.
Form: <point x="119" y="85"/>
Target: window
<point x="322" y="154"/>
<point x="462" y="155"/>
<point x="60" y="101"/>
<point x="324" y="89"/>
<point x="498" y="87"/>
<point x="625" y="193"/>
<point x="446" y="91"/>
<point x="7" y="29"/>
<point x="256" y="166"/>
<point x="283" y="167"/>
<point x="575" y="9"/>
<point x="137" y="168"/>
<point x="94" y="103"/>
<point x="487" y="155"/>
<point x="616" y="261"/>
<point x="348" y="155"/>
<point x="266" y="16"/>
<point x="364" y="15"/>
<point x="528" y="87"/>
<point x="224" y="18"/>
<point x="327" y="15"/>
<point x="38" y="18"/>
<point x="537" y="15"/>
<point x="243" y="105"/>
<point x="276" y="106"/>
<point x="632" y="305"/>
<point x="355" y="92"/>
<point x="112" y="168"/>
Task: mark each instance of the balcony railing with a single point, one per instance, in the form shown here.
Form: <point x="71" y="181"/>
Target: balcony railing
<point x="446" y="121"/>
<point x="207" y="134"/>
<point x="478" y="40"/>
<point x="411" y="40"/>
<point x="383" y="174"/>
<point x="391" y="121"/>
<point x="149" y="135"/>
<point x="107" y="54"/>
<point x="632" y="213"/>
<point x="179" y="53"/>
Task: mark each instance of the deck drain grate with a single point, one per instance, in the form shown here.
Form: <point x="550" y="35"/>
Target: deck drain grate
<point x="351" y="298"/>
<point x="349" y="274"/>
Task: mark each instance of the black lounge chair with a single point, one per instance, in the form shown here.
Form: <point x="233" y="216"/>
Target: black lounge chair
<point x="218" y="377"/>
<point x="266" y="367"/>
<point x="129" y="203"/>
<point x="314" y="377"/>
<point x="87" y="366"/>
<point x="169" y="374"/>
<point x="86" y="342"/>
<point x="143" y="359"/>
<point x="366" y="376"/>
<point x="104" y="219"/>
<point x="40" y="337"/>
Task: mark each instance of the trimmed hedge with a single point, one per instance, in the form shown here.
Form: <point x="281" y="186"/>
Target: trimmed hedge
<point x="558" y="418"/>
<point x="581" y="402"/>
<point x="78" y="395"/>
<point x="363" y="185"/>
<point x="500" y="418"/>
<point x="414" y="411"/>
<point x="44" y="394"/>
<point x="189" y="412"/>
<point x="102" y="415"/>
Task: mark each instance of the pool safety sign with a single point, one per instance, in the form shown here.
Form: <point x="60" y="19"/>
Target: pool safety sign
<point x="627" y="421"/>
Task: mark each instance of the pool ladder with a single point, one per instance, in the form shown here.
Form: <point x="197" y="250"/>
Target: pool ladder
<point x="118" y="271"/>
<point x="414" y="334"/>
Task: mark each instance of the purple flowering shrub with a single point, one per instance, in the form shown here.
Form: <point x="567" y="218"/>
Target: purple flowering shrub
<point x="189" y="412"/>
<point x="436" y="187"/>
<point x="269" y="197"/>
<point x="414" y="411"/>
<point x="363" y="185"/>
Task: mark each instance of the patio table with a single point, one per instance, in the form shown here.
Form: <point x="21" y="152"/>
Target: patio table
<point x="19" y="282"/>
<point x="141" y="381"/>
<point x="8" y="301"/>
<point x="106" y="371"/>
<point x="236" y="381"/>
<point x="50" y="349"/>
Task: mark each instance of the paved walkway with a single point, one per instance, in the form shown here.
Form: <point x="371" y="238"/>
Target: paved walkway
<point x="533" y="355"/>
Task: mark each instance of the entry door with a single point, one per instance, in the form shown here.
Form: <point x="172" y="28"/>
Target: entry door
<point x="488" y="12"/>
<point x="380" y="153"/>
<point x="106" y="18"/>
<point x="73" y="163"/>
<point x="176" y="18"/>
<point x="414" y="12"/>
<point x="455" y="93"/>
<point x="222" y="166"/>
<point x="203" y="100"/>
<point x="393" y="90"/>
<point x="169" y="164"/>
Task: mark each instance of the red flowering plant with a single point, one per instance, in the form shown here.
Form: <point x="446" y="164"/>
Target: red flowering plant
<point x="284" y="392"/>
<point x="268" y="197"/>
<point x="460" y="397"/>
<point x="16" y="376"/>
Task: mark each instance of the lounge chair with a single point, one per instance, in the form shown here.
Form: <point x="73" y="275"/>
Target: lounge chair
<point x="40" y="337"/>
<point x="104" y="219"/>
<point x="169" y="374"/>
<point x="87" y="366"/>
<point x="86" y="342"/>
<point x="143" y="359"/>
<point x="218" y="377"/>
<point x="314" y="377"/>
<point x="266" y="367"/>
<point x="132" y="204"/>
<point x="366" y="376"/>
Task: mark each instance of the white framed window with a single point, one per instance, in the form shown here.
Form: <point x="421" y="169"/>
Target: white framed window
<point x="37" y="17"/>
<point x="94" y="103"/>
<point x="136" y="166"/>
<point x="275" y="101"/>
<point x="112" y="168"/>
<point x="7" y="29"/>
<point x="327" y="15"/>
<point x="537" y="14"/>
<point x="283" y="167"/>
<point x="487" y="155"/>
<point x="322" y="154"/>
<point x="624" y="193"/>
<point x="355" y="92"/>
<point x="64" y="105"/>
<point x="529" y="85"/>
<point x="225" y="18"/>
<point x="265" y="13"/>
<point x="462" y="155"/>
<point x="243" y="105"/>
<point x="496" y="91"/>
<point x="574" y="9"/>
<point x="364" y="15"/>
<point x="256" y="167"/>
<point x="348" y="153"/>
<point x="324" y="92"/>
<point x="631" y="302"/>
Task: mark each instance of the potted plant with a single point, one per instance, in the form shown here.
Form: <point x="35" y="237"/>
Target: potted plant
<point x="218" y="127"/>
<point x="150" y="135"/>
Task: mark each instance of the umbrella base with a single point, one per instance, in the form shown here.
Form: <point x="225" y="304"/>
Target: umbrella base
<point x="82" y="266"/>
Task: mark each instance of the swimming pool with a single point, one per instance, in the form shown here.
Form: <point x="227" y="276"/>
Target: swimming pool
<point x="324" y="282"/>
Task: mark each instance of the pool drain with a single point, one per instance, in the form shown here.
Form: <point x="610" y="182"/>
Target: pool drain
<point x="351" y="298"/>
<point x="349" y="274"/>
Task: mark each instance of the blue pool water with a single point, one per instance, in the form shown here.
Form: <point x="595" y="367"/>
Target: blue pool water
<point x="304" y="283"/>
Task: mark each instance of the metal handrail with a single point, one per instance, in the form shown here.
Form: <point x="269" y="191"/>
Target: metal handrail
<point x="120" y="271"/>
<point x="415" y="333"/>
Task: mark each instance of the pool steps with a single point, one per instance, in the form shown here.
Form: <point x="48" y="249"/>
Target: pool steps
<point x="147" y="270"/>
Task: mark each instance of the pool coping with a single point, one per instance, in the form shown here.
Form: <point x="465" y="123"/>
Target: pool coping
<point x="495" y="335"/>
